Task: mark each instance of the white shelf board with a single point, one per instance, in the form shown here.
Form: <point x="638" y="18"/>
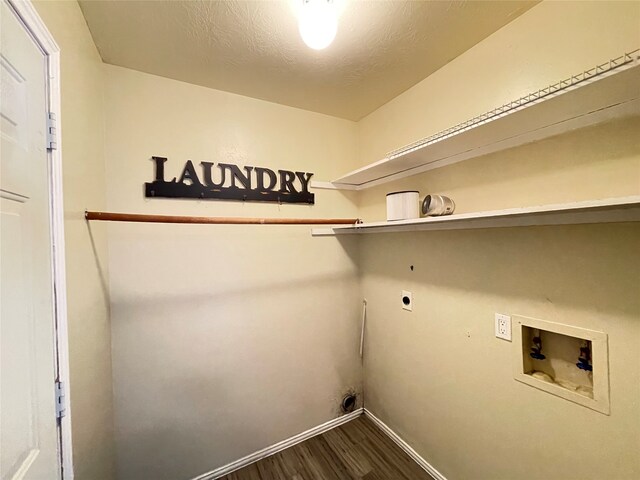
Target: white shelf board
<point x="601" y="94"/>
<point x="610" y="210"/>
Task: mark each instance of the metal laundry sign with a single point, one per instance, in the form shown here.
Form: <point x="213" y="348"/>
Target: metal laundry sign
<point x="225" y="181"/>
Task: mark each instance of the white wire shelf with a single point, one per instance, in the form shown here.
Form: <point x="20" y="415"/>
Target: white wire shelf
<point x="610" y="210"/>
<point x="600" y="94"/>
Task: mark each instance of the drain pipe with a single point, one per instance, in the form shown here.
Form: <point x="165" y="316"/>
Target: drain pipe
<point x="364" y="321"/>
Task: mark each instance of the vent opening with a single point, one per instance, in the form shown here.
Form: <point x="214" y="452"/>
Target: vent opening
<point x="348" y="403"/>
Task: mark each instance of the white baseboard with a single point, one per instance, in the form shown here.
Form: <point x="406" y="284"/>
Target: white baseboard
<point x="278" y="447"/>
<point x="426" y="466"/>
<point x="301" y="437"/>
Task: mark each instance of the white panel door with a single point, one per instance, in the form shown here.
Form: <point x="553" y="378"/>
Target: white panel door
<point x="28" y="425"/>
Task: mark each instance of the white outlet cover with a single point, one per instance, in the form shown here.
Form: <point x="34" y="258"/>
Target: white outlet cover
<point x="503" y="326"/>
<point x="407" y="305"/>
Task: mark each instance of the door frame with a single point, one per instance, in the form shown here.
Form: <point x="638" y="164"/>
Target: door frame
<point x="44" y="40"/>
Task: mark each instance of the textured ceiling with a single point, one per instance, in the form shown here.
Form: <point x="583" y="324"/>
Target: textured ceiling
<point x="253" y="48"/>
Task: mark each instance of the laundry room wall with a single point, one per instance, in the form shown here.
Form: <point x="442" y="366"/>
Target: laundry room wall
<point x="437" y="375"/>
<point x="83" y="169"/>
<point x="226" y="338"/>
<point x="548" y="43"/>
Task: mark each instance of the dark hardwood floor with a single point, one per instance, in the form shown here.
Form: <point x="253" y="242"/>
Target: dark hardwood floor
<point x="356" y="450"/>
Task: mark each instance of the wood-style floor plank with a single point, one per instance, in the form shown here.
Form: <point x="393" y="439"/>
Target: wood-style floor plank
<point x="357" y="450"/>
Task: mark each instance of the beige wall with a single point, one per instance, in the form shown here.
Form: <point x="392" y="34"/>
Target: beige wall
<point x="86" y="249"/>
<point x="548" y="43"/>
<point x="440" y="379"/>
<point x="597" y="162"/>
<point x="438" y="376"/>
<point x="226" y="339"/>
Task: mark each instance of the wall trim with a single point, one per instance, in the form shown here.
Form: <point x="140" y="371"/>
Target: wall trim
<point x="36" y="27"/>
<point x="278" y="447"/>
<point x="332" y="186"/>
<point x="426" y="466"/>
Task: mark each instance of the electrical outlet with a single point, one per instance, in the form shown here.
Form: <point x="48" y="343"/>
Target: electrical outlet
<point x="407" y="300"/>
<point x="503" y="326"/>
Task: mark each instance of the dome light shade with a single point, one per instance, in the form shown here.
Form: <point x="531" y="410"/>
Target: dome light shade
<point x="318" y="23"/>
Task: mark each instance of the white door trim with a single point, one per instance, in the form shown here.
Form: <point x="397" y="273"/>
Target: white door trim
<point x="43" y="38"/>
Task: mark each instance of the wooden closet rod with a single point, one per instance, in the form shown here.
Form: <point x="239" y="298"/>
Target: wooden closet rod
<point x="133" y="217"/>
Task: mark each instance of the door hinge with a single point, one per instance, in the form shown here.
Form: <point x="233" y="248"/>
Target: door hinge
<point x="61" y="401"/>
<point x="52" y="131"/>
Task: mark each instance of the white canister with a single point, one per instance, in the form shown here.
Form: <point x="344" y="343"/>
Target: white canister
<point x="403" y="205"/>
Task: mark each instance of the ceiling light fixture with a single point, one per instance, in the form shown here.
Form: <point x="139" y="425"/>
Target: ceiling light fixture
<point x="318" y="23"/>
